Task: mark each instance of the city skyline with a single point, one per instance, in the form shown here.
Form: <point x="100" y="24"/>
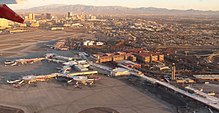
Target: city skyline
<point x="169" y="4"/>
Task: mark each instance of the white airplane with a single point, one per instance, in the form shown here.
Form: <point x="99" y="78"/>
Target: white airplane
<point x="13" y="81"/>
<point x="32" y="79"/>
<point x="85" y="80"/>
<point x="16" y="83"/>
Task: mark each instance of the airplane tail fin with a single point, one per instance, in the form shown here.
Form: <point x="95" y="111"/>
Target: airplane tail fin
<point x="7" y="13"/>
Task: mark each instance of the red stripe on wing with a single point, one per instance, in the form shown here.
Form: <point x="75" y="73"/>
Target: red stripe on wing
<point x="7" y="13"/>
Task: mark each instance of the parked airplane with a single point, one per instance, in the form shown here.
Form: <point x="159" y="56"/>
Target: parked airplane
<point x="13" y="81"/>
<point x="22" y="61"/>
<point x="32" y="79"/>
<point x="85" y="80"/>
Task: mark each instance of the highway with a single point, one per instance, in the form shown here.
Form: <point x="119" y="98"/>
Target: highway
<point x="199" y="96"/>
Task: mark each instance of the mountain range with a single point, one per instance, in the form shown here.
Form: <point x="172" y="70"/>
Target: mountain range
<point x="118" y="10"/>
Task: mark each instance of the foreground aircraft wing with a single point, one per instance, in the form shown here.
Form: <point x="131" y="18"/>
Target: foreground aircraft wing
<point x="7" y="13"/>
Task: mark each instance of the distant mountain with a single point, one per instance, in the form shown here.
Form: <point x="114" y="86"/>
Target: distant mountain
<point x="56" y="8"/>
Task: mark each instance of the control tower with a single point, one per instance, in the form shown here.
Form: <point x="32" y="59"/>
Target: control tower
<point x="173" y="75"/>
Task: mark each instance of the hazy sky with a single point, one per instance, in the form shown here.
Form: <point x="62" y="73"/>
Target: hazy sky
<point x="170" y="4"/>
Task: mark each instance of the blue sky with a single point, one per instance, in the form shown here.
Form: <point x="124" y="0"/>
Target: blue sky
<point x="170" y="4"/>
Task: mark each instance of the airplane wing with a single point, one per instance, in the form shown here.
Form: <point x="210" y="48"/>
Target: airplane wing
<point x="7" y="13"/>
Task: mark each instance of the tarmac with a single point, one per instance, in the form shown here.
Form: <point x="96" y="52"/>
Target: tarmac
<point x="208" y="88"/>
<point x="27" y="42"/>
<point x="4" y="109"/>
<point x="52" y="97"/>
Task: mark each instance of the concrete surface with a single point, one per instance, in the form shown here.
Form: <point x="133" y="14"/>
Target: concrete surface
<point x="50" y="97"/>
